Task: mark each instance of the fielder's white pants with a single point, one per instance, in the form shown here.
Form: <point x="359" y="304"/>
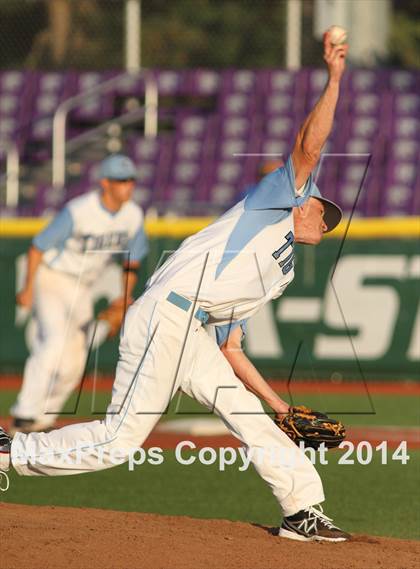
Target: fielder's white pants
<point x="164" y="348"/>
<point x="62" y="306"/>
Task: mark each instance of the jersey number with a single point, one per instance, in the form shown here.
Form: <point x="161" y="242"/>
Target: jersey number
<point x="286" y="264"/>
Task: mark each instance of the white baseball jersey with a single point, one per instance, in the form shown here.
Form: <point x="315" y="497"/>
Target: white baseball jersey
<point x="84" y="237"/>
<point x="242" y="260"/>
<point x="232" y="267"/>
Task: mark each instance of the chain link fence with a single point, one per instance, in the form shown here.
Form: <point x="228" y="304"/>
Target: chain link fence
<point x="90" y="34"/>
<point x="176" y="34"/>
<point x="61" y="34"/>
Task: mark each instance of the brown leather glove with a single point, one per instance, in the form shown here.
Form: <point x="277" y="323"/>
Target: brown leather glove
<point x="312" y="427"/>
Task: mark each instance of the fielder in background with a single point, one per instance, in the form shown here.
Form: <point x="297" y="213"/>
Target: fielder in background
<point x="64" y="260"/>
<point x="222" y="275"/>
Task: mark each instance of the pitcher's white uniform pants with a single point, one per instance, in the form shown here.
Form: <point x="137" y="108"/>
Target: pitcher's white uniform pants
<point x="62" y="306"/>
<point x="163" y="348"/>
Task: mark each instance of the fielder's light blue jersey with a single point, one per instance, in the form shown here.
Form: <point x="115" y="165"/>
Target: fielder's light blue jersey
<point x="84" y="237"/>
<point x="242" y="260"/>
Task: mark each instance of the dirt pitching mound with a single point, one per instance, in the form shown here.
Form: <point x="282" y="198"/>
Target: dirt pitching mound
<point x="35" y="537"/>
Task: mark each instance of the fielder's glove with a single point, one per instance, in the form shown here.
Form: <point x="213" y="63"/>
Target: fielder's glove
<point x="311" y="427"/>
<point x="114" y="315"/>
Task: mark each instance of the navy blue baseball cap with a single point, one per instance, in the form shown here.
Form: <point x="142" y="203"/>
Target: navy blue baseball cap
<point x="332" y="214"/>
<point x="117" y="167"/>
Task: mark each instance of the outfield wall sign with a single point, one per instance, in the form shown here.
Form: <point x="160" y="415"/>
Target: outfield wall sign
<point x="359" y="317"/>
<point x="350" y="311"/>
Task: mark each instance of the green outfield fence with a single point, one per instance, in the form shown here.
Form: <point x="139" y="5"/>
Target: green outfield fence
<point x="352" y="310"/>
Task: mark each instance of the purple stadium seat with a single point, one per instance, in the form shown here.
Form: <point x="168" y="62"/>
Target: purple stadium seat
<point x="317" y="79"/>
<point x="234" y="127"/>
<point x="280" y="81"/>
<point x="365" y="81"/>
<point x="188" y="149"/>
<point x="146" y="174"/>
<point x="281" y="128"/>
<point x="326" y="175"/>
<point x="366" y="104"/>
<point x="279" y="104"/>
<point x="228" y="172"/>
<point x="275" y="147"/>
<point x="127" y="86"/>
<point x="212" y="154"/>
<point x="292" y="85"/>
<point x="144" y="149"/>
<point x="402" y="81"/>
<point x="238" y="81"/>
<point x="9" y="125"/>
<point x="357" y="146"/>
<point x="222" y="195"/>
<point x="407" y="104"/>
<point x="170" y="82"/>
<point x="192" y="125"/>
<point x="185" y="173"/>
<point x="398" y="200"/>
<point x="364" y="127"/>
<point x="406" y="127"/>
<point x="204" y="83"/>
<point x="12" y="82"/>
<point x="237" y="104"/>
<point x="404" y="149"/>
<point x="9" y="104"/>
<point x="402" y="173"/>
<point x="95" y="108"/>
<point x="51" y="89"/>
<point x="15" y="106"/>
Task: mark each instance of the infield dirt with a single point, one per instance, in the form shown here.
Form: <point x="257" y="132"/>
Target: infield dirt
<point x="35" y="537"/>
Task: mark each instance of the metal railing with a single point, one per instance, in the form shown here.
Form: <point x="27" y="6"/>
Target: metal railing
<point x="60" y="117"/>
<point x="12" y="172"/>
<point x="80" y="140"/>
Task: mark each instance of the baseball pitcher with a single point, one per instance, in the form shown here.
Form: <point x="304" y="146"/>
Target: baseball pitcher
<point x="223" y="274"/>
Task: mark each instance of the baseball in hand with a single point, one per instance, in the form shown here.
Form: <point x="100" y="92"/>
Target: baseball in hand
<point x="338" y="35"/>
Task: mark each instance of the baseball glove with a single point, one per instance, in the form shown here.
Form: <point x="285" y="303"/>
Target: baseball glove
<point x="114" y="316"/>
<point x="311" y="427"/>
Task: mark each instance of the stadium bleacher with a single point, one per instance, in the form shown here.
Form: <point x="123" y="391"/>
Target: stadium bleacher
<point x="213" y="129"/>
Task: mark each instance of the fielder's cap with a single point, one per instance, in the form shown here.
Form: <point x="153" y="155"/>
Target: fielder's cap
<point x="333" y="213"/>
<point x="117" y="167"/>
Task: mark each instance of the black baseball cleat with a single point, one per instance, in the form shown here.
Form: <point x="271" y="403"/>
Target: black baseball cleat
<point x="311" y="524"/>
<point x="5" y="442"/>
<point x="5" y="447"/>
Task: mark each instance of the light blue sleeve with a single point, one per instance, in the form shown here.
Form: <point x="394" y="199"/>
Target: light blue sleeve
<point x="138" y="246"/>
<point x="277" y="190"/>
<point x="56" y="233"/>
<point x="223" y="331"/>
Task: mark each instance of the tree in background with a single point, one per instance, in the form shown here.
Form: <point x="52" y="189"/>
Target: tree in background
<point x="81" y="34"/>
<point x="213" y="33"/>
<point x="405" y="34"/>
<point x="89" y="34"/>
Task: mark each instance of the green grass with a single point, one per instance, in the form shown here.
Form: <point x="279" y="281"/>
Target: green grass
<point x="374" y="499"/>
<point x="382" y="410"/>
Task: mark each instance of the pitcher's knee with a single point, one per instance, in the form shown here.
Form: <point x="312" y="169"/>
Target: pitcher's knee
<point x="122" y="435"/>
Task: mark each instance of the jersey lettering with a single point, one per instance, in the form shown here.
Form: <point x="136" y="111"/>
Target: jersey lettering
<point x="286" y="264"/>
<point x="117" y="240"/>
